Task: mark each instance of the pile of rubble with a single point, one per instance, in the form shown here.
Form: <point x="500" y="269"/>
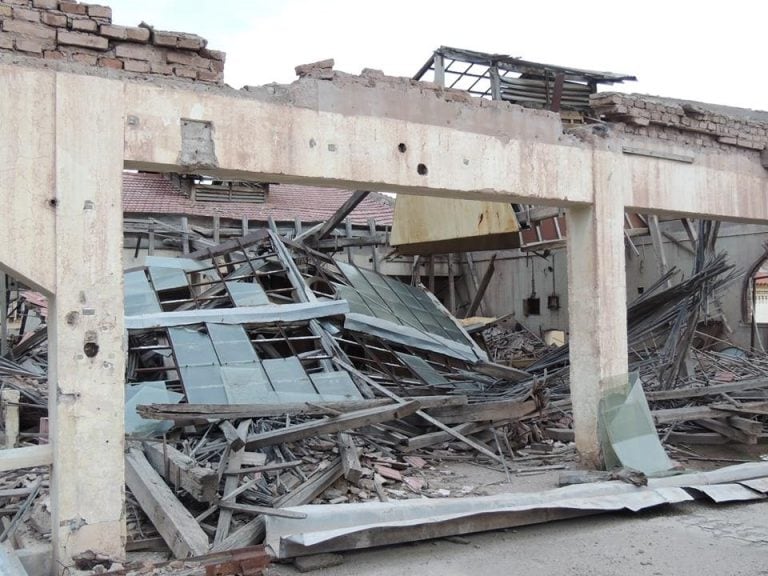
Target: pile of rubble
<point x="264" y="376"/>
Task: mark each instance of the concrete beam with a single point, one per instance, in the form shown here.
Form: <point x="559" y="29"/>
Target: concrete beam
<point x="597" y="302"/>
<point x="86" y="351"/>
<point x="331" y="148"/>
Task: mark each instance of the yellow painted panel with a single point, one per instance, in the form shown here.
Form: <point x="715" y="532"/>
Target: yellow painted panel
<point x="442" y="222"/>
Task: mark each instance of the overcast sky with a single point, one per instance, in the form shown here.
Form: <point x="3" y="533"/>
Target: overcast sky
<point x="699" y="50"/>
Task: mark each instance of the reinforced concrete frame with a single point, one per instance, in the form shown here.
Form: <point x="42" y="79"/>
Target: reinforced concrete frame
<point x="67" y="137"/>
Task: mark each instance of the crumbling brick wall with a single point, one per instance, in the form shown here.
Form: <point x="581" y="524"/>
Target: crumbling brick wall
<point x="680" y="121"/>
<point x="65" y="30"/>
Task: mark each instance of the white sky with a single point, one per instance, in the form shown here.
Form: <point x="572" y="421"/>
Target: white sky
<point x="700" y="50"/>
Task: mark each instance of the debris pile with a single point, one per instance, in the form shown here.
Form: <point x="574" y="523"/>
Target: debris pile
<point x="263" y="375"/>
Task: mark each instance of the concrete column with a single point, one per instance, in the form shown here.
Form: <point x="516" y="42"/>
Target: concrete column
<point x="86" y="350"/>
<point x="3" y="314"/>
<point x="597" y="301"/>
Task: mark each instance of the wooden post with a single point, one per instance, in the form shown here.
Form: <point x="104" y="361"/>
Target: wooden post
<point x="151" y="234"/>
<point x="477" y="300"/>
<point x="244" y="224"/>
<point x="185" y="235"/>
<point x="451" y="286"/>
<point x="216" y="228"/>
<point x="432" y="273"/>
<point x="297" y="226"/>
<point x="439" y="70"/>
<point x="495" y="82"/>
<point x="472" y="279"/>
<point x="372" y="231"/>
<point x="658" y="244"/>
<point x="348" y="227"/>
<point x="10" y="402"/>
<point x="3" y="314"/>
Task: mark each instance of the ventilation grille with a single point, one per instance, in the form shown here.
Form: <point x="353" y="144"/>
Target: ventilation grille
<point x="225" y="191"/>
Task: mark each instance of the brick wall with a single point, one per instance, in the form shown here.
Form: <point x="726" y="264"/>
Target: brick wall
<point x="680" y="121"/>
<point x="69" y="31"/>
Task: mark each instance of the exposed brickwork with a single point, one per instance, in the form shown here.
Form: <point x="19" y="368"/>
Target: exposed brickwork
<point x="71" y="31"/>
<point x="680" y="121"/>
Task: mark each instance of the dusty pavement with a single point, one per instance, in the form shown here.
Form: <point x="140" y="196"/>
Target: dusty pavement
<point x="694" y="538"/>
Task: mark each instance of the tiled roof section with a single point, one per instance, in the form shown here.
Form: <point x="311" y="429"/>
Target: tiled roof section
<point x="145" y="193"/>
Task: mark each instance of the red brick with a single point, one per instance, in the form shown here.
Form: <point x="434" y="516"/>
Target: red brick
<point x="84" y="24"/>
<point x="84" y="40"/>
<point x="52" y="19"/>
<point x="5" y="11"/>
<point x="111" y="63"/>
<point x="46" y="4"/>
<point x="136" y="52"/>
<point x="26" y="14"/>
<point x="184" y="72"/>
<point x="157" y="68"/>
<point x="186" y="58"/>
<point x="29" y="29"/>
<point x="6" y="41"/>
<point x="73" y="8"/>
<point x="17" y="2"/>
<point x="208" y="76"/>
<point x="136" y="65"/>
<point x="31" y="45"/>
<point x="217" y="65"/>
<point x="137" y="34"/>
<point x="191" y="42"/>
<point x="81" y="58"/>
<point x="112" y="31"/>
<point x="213" y="54"/>
<point x="99" y="11"/>
<point x="160" y="38"/>
<point x="54" y="55"/>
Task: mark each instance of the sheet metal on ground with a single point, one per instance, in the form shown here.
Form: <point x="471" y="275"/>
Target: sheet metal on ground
<point x="330" y="528"/>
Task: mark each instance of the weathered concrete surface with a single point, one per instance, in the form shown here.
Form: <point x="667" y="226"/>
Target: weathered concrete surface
<point x="694" y="538"/>
<point x="306" y="146"/>
<point x="27" y="184"/>
<point x="597" y="296"/>
<point x="86" y="352"/>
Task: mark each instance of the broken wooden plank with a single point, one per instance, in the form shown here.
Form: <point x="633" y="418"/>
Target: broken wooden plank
<point x="431" y="419"/>
<point x="701" y="391"/>
<point x="432" y="438"/>
<point x="350" y="461"/>
<point x="484" y="411"/>
<point x="329" y="425"/>
<point x="26" y="457"/>
<point x="182" y="412"/>
<point x="266" y="510"/>
<point x="500" y="371"/>
<point x="480" y="294"/>
<point x="728" y="431"/>
<point x="745" y="425"/>
<point x="182" y="472"/>
<point x="230" y="245"/>
<point x="171" y="519"/>
<point x="233" y="439"/>
<point x="230" y="483"/>
<point x="253" y="531"/>
<point x="340" y="214"/>
<point x="670" y="415"/>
